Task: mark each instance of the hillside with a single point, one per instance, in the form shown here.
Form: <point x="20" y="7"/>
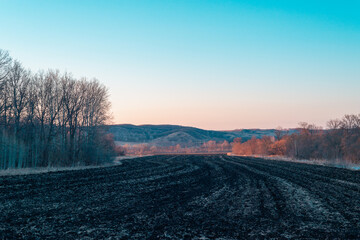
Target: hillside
<point x="168" y="135"/>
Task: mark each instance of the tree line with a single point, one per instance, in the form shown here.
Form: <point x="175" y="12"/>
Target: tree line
<point x="50" y="118"/>
<point x="145" y="149"/>
<point x="339" y="142"/>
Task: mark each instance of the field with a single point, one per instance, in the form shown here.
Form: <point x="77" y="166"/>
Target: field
<point x="183" y="197"/>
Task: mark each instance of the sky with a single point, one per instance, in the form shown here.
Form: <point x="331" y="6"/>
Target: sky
<point x="211" y="64"/>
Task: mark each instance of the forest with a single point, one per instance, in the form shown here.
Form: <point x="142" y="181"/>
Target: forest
<point x="339" y="142"/>
<point x="50" y="118"/>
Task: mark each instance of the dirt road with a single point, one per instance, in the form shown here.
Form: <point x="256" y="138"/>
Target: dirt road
<point x="184" y="197"/>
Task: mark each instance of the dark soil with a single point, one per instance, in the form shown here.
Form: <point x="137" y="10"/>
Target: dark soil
<point x="184" y="197"/>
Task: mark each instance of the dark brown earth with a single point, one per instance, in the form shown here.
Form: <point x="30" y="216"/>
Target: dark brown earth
<point x="184" y="197"/>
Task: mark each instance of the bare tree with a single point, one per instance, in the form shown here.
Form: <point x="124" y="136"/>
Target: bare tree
<point x="5" y="61"/>
<point x="51" y="118"/>
<point x="18" y="79"/>
<point x="279" y="132"/>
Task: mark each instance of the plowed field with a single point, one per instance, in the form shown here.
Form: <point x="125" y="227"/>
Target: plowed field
<point x="183" y="197"/>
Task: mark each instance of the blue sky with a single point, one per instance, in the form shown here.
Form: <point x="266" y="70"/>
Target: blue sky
<point x="210" y="64"/>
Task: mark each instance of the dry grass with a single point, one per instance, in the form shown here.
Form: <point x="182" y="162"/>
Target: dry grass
<point x="26" y="171"/>
<point x="322" y="162"/>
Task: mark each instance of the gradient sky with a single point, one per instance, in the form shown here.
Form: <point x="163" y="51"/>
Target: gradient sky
<point x="209" y="64"/>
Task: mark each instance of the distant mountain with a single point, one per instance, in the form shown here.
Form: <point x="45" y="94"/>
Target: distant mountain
<point x="169" y="135"/>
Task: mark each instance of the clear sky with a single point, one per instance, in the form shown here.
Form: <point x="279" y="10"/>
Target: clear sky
<point x="209" y="64"/>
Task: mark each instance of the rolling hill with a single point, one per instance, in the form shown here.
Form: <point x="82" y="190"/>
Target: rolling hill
<point x="168" y="135"/>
